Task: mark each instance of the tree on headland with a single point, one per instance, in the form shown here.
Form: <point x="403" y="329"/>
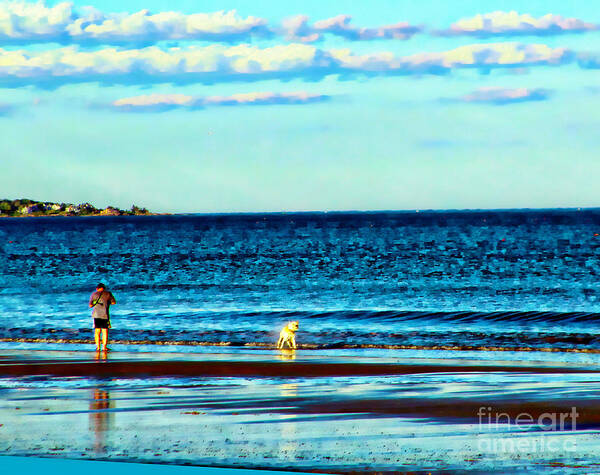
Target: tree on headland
<point x="5" y="207"/>
<point x="137" y="210"/>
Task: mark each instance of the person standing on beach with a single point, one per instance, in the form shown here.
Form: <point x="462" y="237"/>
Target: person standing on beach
<point x="100" y="301"/>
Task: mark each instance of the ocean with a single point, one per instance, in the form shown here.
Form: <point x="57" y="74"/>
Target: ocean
<point x="429" y="342"/>
<point x="455" y="279"/>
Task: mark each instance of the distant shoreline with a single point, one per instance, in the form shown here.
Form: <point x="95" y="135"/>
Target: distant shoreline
<point x="97" y="215"/>
<point x="27" y="208"/>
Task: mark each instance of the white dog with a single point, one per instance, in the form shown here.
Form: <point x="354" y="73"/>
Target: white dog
<point x="288" y="335"/>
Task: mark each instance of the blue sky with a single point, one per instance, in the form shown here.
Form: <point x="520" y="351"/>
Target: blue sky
<point x="282" y="106"/>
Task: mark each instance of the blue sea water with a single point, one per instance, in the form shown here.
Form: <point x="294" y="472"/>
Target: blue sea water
<point x="460" y="279"/>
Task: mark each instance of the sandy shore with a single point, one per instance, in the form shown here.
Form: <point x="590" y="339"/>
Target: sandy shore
<point x="292" y="411"/>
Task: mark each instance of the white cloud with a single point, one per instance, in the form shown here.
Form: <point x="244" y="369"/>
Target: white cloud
<point x="145" y="27"/>
<point x="340" y="25"/>
<point x="72" y="62"/>
<point x="161" y="102"/>
<point x="26" y="22"/>
<point x="501" y="96"/>
<point x="469" y="56"/>
<point x="29" y="22"/>
<point x="243" y="62"/>
<point x="22" y="22"/>
<point x="299" y="97"/>
<point x="297" y="29"/>
<point x="153" y="100"/>
<point x="513" y="23"/>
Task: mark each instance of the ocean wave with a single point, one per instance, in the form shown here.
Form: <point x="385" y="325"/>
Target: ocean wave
<point x="459" y="316"/>
<point x="309" y="346"/>
<point x="395" y="316"/>
<point x="340" y="329"/>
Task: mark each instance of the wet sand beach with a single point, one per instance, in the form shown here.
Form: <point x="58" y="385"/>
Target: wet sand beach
<point x="67" y="467"/>
<point x="303" y="411"/>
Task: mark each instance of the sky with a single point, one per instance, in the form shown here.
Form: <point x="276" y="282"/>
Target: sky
<point x="259" y="106"/>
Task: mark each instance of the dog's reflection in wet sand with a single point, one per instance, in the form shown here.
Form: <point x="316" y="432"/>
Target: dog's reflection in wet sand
<point x="287" y="355"/>
<point x="288" y="336"/>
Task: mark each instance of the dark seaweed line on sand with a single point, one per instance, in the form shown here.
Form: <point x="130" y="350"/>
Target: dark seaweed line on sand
<point x="334" y="346"/>
<point x="268" y="369"/>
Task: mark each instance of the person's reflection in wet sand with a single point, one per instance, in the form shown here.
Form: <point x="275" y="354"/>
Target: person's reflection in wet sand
<point x="100" y="418"/>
